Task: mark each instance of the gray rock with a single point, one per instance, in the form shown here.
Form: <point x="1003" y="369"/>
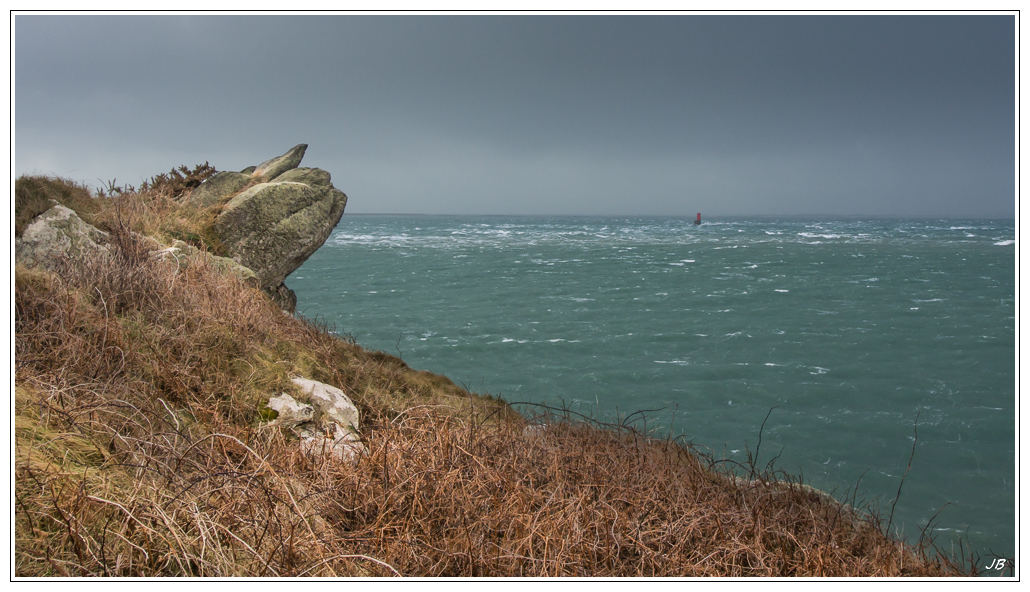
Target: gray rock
<point x="185" y="254"/>
<point x="217" y="188"/>
<point x="284" y="297"/>
<point x="312" y="177"/>
<point x="269" y="229"/>
<point x="57" y="234"/>
<point x="273" y="167"/>
<point x="272" y="228"/>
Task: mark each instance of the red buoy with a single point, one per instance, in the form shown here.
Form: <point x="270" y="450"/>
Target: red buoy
<point x="698" y="221"/>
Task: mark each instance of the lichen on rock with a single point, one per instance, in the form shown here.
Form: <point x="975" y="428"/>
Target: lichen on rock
<point x="56" y="234"/>
<point x="273" y="227"/>
<point x="312" y="177"/>
<point x="217" y="188"/>
<point x="273" y="167"/>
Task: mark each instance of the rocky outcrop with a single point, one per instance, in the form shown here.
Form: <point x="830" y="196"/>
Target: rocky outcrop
<point x="58" y="234"/>
<point x="312" y="177"/>
<point x="185" y="253"/>
<point x="325" y="420"/>
<point x="273" y="167"/>
<point x="218" y="187"/>
<point x="272" y="227"/>
<point x="269" y="220"/>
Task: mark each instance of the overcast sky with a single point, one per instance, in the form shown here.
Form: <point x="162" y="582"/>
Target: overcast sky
<point x="641" y="115"/>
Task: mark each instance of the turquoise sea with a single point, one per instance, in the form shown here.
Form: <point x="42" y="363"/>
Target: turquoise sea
<point x="842" y="332"/>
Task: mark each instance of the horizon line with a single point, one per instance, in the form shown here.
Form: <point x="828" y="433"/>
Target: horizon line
<point x="691" y="216"/>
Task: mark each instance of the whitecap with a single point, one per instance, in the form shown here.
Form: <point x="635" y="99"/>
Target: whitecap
<point x="783" y="290"/>
<point x="1004" y="243"/>
<point x="819" y="370"/>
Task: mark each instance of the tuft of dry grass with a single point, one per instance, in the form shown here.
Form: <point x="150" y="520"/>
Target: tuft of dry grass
<point x="140" y="451"/>
<point x="32" y="197"/>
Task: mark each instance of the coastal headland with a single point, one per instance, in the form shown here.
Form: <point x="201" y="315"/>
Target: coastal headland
<point x="174" y="417"/>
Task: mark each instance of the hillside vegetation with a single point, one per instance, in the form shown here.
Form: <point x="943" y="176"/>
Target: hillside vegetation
<point x="143" y="446"/>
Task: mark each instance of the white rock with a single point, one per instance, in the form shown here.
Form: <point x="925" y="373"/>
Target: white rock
<point x="291" y="412"/>
<point x="341" y="443"/>
<point x="534" y="430"/>
<point x="330" y="402"/>
<point x="326" y="426"/>
<point x="164" y="253"/>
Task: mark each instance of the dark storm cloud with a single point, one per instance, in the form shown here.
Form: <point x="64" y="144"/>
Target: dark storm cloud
<point x="866" y="115"/>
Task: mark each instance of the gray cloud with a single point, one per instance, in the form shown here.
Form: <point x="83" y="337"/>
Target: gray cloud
<point x="856" y="115"/>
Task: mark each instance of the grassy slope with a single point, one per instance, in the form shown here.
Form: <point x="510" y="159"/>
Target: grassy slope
<point x="141" y="449"/>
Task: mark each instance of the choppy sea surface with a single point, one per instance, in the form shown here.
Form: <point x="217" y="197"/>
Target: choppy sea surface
<point x="859" y="339"/>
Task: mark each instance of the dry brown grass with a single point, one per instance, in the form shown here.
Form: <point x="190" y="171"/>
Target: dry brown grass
<point x="32" y="196"/>
<point x="140" y="451"/>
